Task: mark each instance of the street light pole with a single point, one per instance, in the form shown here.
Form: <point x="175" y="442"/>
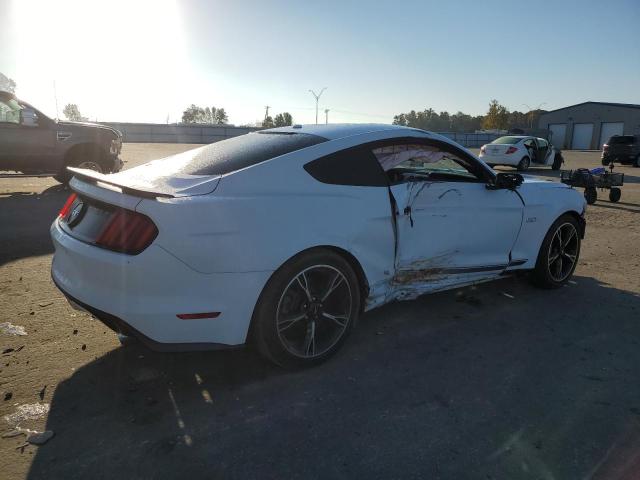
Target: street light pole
<point x="317" y="97"/>
<point x="326" y="116"/>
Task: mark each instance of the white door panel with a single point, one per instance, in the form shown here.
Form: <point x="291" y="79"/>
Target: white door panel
<point x="582" y="134"/>
<point x="608" y="130"/>
<point x="452" y="233"/>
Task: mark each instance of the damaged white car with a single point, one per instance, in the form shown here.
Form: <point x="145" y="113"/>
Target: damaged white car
<point x="284" y="237"/>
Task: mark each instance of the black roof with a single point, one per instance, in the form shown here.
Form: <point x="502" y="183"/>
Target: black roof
<point x="610" y="104"/>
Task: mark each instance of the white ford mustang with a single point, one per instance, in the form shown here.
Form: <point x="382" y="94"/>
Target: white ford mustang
<point x="521" y="152"/>
<point x="284" y="236"/>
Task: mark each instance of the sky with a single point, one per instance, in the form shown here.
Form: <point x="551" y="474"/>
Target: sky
<point x="146" y="61"/>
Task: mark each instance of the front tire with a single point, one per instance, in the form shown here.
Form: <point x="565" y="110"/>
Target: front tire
<point x="559" y="253"/>
<point x="524" y="164"/>
<point x="90" y="157"/>
<point x="557" y="162"/>
<point x="307" y="309"/>
<point x="590" y="195"/>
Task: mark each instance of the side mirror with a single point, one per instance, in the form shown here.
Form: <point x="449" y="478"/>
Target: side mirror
<point x="28" y="117"/>
<point x="509" y="181"/>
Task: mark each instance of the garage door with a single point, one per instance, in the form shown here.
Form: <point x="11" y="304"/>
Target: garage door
<point x="609" y="129"/>
<point x="582" y="133"/>
<point x="558" y="134"/>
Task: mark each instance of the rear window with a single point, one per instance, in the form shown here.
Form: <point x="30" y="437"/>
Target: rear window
<point x="507" y="140"/>
<point x="243" y="151"/>
<point x="618" y="139"/>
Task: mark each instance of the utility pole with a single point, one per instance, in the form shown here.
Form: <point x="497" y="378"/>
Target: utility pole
<point x="55" y="94"/>
<point x="266" y="112"/>
<point x="317" y="97"/>
<point x="326" y="116"/>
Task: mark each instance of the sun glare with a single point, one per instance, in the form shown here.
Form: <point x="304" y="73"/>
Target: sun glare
<point x="112" y="58"/>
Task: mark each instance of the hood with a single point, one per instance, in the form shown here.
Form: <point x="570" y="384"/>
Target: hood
<point x="83" y="125"/>
<point x="158" y="178"/>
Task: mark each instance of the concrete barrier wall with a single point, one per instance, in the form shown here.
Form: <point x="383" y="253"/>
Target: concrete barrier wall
<point x="160" y="133"/>
<point x="204" y="133"/>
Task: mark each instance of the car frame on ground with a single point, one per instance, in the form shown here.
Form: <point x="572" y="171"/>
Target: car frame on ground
<point x="521" y="152"/>
<point x="284" y="237"/>
<point x="33" y="144"/>
<point x="624" y="149"/>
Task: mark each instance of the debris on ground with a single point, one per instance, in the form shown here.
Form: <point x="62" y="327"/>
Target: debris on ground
<point x="12" y="433"/>
<point x="7" y="350"/>
<point x="42" y="392"/>
<point x="11" y="329"/>
<point x="27" y="411"/>
<point x="40" y="438"/>
<point x="46" y="304"/>
<point x="7" y="396"/>
<point x="508" y="295"/>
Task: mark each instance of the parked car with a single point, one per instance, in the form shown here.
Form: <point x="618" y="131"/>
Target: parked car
<point x="521" y="151"/>
<point x="622" y="148"/>
<point x="32" y="143"/>
<point x="283" y="237"/>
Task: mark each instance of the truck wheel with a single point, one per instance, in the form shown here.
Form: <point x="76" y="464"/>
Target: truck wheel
<point x="591" y="195"/>
<point x="524" y="164"/>
<point x="84" y="156"/>
<point x="615" y="194"/>
<point x="557" y="162"/>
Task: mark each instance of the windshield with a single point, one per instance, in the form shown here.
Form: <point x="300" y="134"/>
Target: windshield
<point x="507" y="140"/>
<point x="243" y="151"/>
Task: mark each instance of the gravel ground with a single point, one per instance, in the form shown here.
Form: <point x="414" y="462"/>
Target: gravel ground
<point x="470" y="383"/>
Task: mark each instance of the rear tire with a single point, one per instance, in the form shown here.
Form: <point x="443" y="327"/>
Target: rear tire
<point x="557" y="162"/>
<point x="524" y="164"/>
<point x="307" y="309"/>
<point x="615" y="194"/>
<point x="559" y="253"/>
<point x="590" y="195"/>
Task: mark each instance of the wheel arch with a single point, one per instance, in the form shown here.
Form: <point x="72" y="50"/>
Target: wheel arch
<point x="363" y="283"/>
<point x="79" y="147"/>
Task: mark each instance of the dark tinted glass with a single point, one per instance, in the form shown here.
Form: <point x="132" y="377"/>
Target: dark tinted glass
<point x="618" y="139"/>
<point x="354" y="166"/>
<point x="507" y="140"/>
<point x="240" y="152"/>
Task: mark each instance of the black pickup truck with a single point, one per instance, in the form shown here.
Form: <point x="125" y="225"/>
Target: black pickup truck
<point x="623" y="149"/>
<point x="33" y="144"/>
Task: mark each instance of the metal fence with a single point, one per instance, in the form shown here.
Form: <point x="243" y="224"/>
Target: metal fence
<point x="204" y="133"/>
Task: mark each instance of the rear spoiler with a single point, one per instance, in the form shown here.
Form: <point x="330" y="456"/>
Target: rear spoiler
<point x="93" y="177"/>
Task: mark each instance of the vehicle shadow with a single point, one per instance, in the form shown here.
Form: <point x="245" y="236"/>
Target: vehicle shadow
<point x="479" y="382"/>
<point x="25" y="218"/>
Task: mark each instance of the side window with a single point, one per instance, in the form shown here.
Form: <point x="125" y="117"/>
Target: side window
<point x="353" y="166"/>
<point x="542" y="143"/>
<point x="530" y="143"/>
<point x="404" y="161"/>
<point x="9" y="111"/>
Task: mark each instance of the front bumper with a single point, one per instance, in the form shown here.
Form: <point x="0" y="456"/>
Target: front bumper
<point x="142" y="295"/>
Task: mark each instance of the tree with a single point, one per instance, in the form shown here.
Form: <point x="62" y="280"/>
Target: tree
<point x="7" y="84"/>
<point x="72" y="112"/>
<point x="220" y="116"/>
<point x="196" y="114"/>
<point x="283" y="120"/>
<point x="497" y="118"/>
<point x="268" y="122"/>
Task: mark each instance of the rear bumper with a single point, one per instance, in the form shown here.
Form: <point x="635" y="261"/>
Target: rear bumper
<point x="500" y="160"/>
<point x="142" y="295"/>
